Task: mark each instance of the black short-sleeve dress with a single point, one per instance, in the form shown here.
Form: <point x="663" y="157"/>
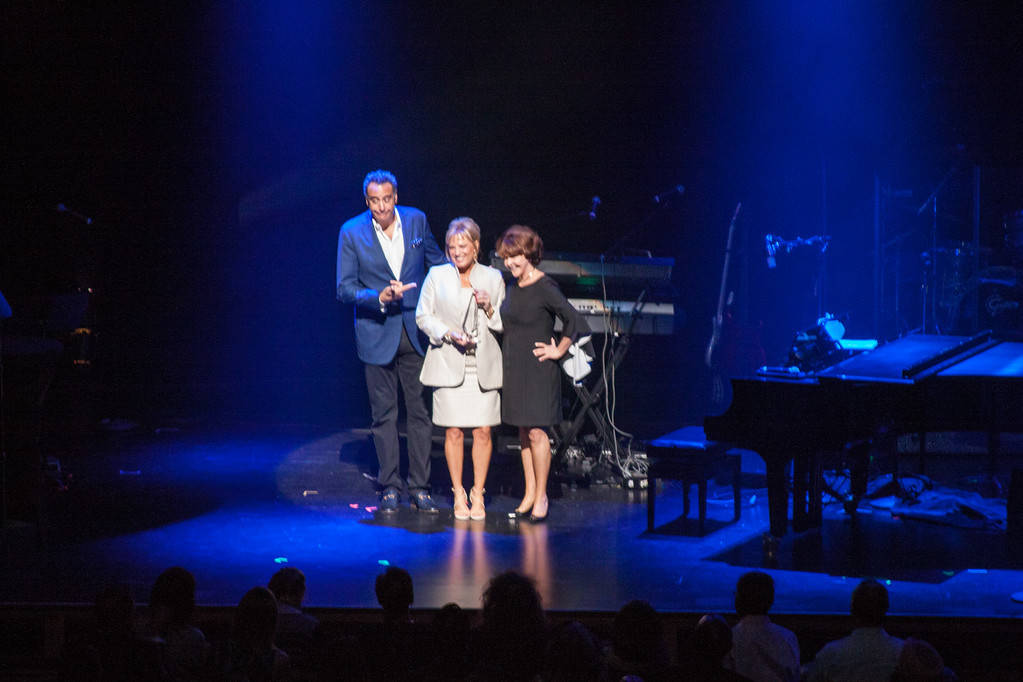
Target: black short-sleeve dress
<point x="532" y="389"/>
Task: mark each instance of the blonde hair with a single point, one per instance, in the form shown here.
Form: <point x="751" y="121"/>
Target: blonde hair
<point x="464" y="226"/>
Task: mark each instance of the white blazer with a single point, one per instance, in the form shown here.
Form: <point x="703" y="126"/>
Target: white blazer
<point x="440" y="311"/>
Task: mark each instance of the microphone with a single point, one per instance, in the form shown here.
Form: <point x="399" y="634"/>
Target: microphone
<point x="677" y="189"/>
<point x="61" y="208"/>
<point x="594" y="203"/>
<point x="771" y="246"/>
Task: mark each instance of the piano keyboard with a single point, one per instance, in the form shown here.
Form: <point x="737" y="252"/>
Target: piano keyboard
<point x="614" y="316"/>
<point x="586" y="275"/>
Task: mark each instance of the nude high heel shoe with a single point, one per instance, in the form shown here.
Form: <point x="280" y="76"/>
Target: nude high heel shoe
<point x="461" y="504"/>
<point x="478" y="511"/>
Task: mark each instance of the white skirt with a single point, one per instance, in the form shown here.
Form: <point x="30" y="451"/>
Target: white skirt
<point x="466" y="405"/>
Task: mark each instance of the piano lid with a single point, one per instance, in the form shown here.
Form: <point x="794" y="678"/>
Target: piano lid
<point x="1002" y="360"/>
<point x="908" y="359"/>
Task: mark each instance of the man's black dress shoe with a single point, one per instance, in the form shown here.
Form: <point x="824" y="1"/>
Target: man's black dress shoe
<point x="389" y="500"/>
<point x="420" y="500"/>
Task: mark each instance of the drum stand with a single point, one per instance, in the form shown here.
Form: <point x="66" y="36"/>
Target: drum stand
<point x="930" y="285"/>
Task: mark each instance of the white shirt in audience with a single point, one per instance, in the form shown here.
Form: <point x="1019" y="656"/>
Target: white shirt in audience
<point x="866" y="655"/>
<point x="763" y="651"/>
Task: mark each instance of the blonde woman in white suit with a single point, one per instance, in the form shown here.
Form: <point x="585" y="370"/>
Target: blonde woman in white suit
<point x="459" y="311"/>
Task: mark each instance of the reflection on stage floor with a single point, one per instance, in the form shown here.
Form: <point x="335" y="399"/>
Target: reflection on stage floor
<point x="234" y="504"/>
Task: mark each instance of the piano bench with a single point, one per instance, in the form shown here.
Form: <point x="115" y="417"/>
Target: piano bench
<point x="686" y="455"/>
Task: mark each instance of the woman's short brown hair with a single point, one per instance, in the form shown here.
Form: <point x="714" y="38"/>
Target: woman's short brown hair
<point x="520" y="239"/>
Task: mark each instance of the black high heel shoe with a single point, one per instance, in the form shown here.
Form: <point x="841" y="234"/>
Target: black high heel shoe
<point x="520" y="515"/>
<point x="533" y="518"/>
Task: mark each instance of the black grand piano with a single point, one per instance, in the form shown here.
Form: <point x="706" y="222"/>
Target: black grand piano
<point x="917" y="384"/>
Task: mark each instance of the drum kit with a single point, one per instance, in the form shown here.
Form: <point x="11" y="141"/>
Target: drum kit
<point x="974" y="294"/>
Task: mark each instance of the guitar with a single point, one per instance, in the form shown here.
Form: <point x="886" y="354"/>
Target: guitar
<point x="719" y="317"/>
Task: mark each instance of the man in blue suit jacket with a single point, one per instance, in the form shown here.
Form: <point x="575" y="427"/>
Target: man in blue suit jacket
<point x="382" y="258"/>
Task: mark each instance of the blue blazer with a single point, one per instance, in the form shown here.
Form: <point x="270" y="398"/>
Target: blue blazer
<point x="362" y="273"/>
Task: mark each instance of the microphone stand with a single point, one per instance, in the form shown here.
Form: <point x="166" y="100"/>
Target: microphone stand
<point x="564" y="219"/>
<point x="589" y="215"/>
<point x="5" y="312"/>
<point x="3" y="439"/>
<point x="617" y="247"/>
<point x="896" y="244"/>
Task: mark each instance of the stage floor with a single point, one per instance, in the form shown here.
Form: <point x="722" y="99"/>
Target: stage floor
<point x="235" y="504"/>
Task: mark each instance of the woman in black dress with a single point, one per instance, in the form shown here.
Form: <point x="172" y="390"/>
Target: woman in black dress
<point x="531" y="396"/>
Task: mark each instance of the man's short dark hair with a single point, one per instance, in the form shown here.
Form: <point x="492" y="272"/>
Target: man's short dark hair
<point x="255" y="619"/>
<point x="380" y="177"/>
<point x="394" y="589"/>
<point x="512" y="604"/>
<point x="288" y="584"/>
<point x="869" y="602"/>
<point x="637" y="631"/>
<point x="754" y="594"/>
<point x="712" y="638"/>
<point x="174" y="590"/>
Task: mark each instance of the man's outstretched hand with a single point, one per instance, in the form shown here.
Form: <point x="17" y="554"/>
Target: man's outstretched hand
<point x="395" y="291"/>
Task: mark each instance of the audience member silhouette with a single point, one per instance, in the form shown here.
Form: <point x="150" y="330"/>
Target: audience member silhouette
<point x="449" y="636"/>
<point x="921" y="662"/>
<point x="171" y="604"/>
<point x="395" y="595"/>
<point x="397" y="647"/>
<point x="511" y="641"/>
<point x="112" y="651"/>
<point x="573" y="655"/>
<point x="250" y="655"/>
<point x="295" y="629"/>
<point x="868" y="653"/>
<point x="637" y="643"/>
<point x="761" y="650"/>
<point x="702" y="652"/>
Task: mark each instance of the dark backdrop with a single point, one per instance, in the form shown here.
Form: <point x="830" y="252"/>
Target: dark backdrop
<point x="217" y="148"/>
